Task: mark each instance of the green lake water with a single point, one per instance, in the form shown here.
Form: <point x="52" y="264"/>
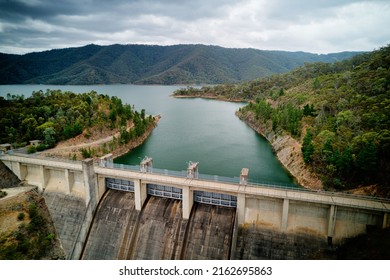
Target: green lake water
<point x="197" y="130"/>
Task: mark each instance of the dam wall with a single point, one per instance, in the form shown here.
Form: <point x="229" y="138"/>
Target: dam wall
<point x="161" y="230"/>
<point x="67" y="213"/>
<point x="210" y="233"/>
<point x="282" y="217"/>
<point x="112" y="227"/>
<point x="158" y="231"/>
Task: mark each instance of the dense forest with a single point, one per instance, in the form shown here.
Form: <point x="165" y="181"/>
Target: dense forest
<point x="146" y="64"/>
<point x="53" y="116"/>
<point x="340" y="112"/>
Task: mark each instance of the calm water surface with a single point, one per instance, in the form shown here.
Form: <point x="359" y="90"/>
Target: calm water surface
<point x="198" y="130"/>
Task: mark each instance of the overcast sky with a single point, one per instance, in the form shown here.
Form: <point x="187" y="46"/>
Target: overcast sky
<point x="318" y="26"/>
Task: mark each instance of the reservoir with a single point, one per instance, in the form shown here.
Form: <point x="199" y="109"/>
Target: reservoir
<point x="197" y="130"/>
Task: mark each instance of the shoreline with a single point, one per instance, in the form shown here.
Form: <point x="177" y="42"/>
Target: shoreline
<point x="108" y="144"/>
<point x="209" y="97"/>
<point x="288" y="152"/>
<point x="286" y="148"/>
<point x="124" y="149"/>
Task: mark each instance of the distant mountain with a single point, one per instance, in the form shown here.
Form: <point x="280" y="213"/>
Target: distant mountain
<point x="147" y="64"/>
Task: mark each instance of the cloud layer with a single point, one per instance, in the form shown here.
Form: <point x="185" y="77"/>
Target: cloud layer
<point x="321" y="26"/>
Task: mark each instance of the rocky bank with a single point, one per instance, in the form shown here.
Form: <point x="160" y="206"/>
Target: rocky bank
<point x="288" y="151"/>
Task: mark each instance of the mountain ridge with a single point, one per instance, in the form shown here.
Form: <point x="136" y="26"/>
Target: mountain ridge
<point x="152" y="64"/>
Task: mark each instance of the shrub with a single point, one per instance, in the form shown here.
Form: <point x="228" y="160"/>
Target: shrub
<point x="32" y="210"/>
<point x="31" y="149"/>
<point x="3" y="194"/>
<point x="41" y="147"/>
<point x="21" y="216"/>
<point x="87" y="153"/>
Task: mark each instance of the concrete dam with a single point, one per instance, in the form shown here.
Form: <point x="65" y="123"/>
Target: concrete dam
<point x="158" y="231"/>
<point x="102" y="212"/>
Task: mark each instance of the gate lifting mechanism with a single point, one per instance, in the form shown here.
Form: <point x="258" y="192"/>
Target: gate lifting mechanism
<point x="192" y="170"/>
<point x="146" y="165"/>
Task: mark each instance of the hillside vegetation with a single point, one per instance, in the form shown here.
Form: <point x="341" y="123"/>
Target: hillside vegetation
<point x="340" y="112"/>
<point x="54" y="116"/>
<point x="146" y="64"/>
<point x="27" y="231"/>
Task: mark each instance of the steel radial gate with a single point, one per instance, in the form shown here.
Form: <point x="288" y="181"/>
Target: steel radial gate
<point x="218" y="199"/>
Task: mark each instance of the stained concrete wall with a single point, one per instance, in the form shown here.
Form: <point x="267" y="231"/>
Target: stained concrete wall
<point x="308" y="218"/>
<point x="121" y="232"/>
<point x="56" y="181"/>
<point x="113" y="227"/>
<point x="161" y="227"/>
<point x="210" y="233"/>
<point x="68" y="214"/>
<point x="305" y="236"/>
<point x="258" y="243"/>
<point x="265" y="212"/>
<point x="34" y="176"/>
<point x="7" y="178"/>
<point x="352" y="222"/>
<point x="158" y="231"/>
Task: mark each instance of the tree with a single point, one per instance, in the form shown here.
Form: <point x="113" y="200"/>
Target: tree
<point x="308" y="110"/>
<point x="40" y="129"/>
<point x="49" y="136"/>
<point x="365" y="148"/>
<point x="28" y="127"/>
<point x="308" y="147"/>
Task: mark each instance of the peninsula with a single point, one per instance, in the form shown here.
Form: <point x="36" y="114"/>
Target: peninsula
<point x="73" y="126"/>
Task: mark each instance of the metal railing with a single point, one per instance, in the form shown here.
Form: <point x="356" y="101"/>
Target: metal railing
<point x="207" y="177"/>
<point x="36" y="156"/>
<point x="251" y="182"/>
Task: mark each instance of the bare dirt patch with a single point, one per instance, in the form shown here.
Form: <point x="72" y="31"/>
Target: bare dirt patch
<point x="99" y="140"/>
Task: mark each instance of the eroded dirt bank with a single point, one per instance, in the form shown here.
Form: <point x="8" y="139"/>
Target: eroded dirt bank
<point x="98" y="143"/>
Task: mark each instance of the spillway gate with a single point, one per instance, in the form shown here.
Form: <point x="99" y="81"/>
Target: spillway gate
<point x="219" y="199"/>
<point x="204" y="197"/>
<point x="165" y="191"/>
<point x="120" y="184"/>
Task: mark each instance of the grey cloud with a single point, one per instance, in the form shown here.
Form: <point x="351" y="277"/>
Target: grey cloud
<point x="29" y="25"/>
<point x="14" y="10"/>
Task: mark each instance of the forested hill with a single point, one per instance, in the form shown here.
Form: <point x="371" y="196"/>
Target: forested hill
<point x="147" y="64"/>
<point x="340" y="112"/>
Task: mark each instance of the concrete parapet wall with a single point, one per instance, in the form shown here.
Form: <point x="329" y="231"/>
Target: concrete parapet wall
<point x="308" y="218"/>
<point x="265" y="212"/>
<point x="351" y="222"/>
